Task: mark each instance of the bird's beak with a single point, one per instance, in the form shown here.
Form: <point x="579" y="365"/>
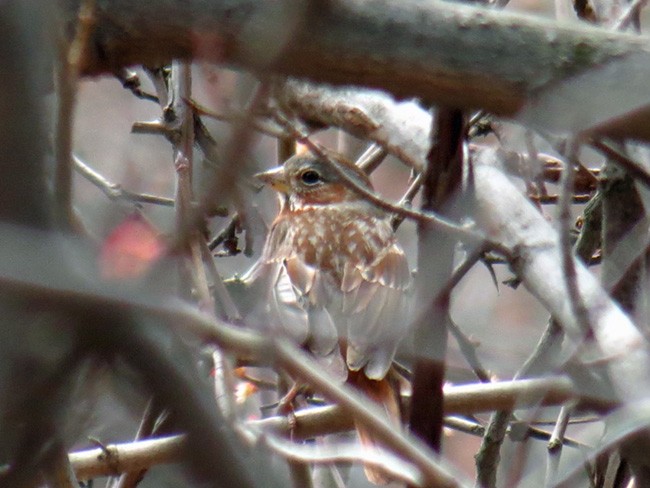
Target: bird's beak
<point x="276" y="178"/>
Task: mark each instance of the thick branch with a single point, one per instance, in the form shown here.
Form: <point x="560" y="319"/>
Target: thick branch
<point x="509" y="218"/>
<point x="440" y="52"/>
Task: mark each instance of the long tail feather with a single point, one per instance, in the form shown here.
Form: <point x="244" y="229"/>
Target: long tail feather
<point x="384" y="393"/>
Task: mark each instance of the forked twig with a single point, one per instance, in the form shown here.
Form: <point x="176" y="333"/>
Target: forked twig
<point x="115" y="191"/>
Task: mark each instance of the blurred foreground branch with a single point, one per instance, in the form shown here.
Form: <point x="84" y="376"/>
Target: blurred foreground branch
<point x="436" y="53"/>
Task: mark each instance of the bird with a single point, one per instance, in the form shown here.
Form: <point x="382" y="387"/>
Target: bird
<point x="335" y="279"/>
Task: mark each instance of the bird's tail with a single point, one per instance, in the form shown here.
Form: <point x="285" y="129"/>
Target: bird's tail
<point x="385" y="393"/>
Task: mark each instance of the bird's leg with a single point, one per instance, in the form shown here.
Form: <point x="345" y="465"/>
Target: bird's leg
<point x="286" y="403"/>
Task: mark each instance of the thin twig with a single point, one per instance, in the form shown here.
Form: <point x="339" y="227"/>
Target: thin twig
<point x="468" y="349"/>
<point x="407" y="199"/>
<point x="222" y="297"/>
<point x="411" y="191"/>
<point x="152" y="127"/>
<point x="633" y="8"/>
<point x="265" y="126"/>
<point x="146" y="428"/>
<point x="556" y="442"/>
<point x="371" y="158"/>
<point x="114" y="191"/>
<point x="226" y="234"/>
<point x="131" y="81"/>
<point x="181" y="120"/>
<point x="553" y="199"/>
<point x="396" y="467"/>
<point x="634" y="169"/>
<point x="566" y="246"/>
<point x="477" y="429"/>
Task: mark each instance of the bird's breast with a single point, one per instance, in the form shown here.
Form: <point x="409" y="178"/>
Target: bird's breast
<point x="329" y="237"/>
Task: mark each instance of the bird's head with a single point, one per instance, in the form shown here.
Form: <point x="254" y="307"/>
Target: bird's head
<point x="306" y="180"/>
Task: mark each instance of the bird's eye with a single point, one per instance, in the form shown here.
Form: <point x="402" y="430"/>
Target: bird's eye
<point x="310" y="177"/>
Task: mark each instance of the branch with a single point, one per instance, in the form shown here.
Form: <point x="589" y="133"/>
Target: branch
<point x="400" y="127"/>
<point x="441" y="190"/>
<point x="503" y="211"/>
<point x="313" y="422"/>
<point x="459" y="400"/>
<point x="115" y="459"/>
<point x="437" y="52"/>
<point x="114" y="191"/>
<point x="71" y="57"/>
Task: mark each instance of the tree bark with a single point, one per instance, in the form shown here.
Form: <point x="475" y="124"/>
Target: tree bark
<point x="444" y="53"/>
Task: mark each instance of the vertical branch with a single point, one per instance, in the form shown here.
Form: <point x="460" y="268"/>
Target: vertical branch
<point x="556" y="442"/>
<point x="181" y="89"/>
<point x="199" y="254"/>
<point x="29" y="427"/>
<point x="301" y="473"/>
<point x="441" y="184"/>
<point x="69" y="64"/>
<point x="223" y="183"/>
<point x="180" y="121"/>
<point x="564" y="221"/>
<point x="488" y="456"/>
<point x="24" y="195"/>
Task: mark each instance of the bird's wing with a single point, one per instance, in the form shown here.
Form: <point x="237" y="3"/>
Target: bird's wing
<point x="315" y="291"/>
<point x="375" y="306"/>
<point x="295" y="299"/>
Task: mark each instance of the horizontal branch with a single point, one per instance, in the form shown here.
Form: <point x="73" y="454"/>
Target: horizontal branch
<point x="114" y="459"/>
<point x="313" y="422"/>
<point x="444" y="53"/>
<point x="459" y="400"/>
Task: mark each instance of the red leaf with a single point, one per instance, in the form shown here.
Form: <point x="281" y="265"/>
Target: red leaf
<point x="130" y="249"/>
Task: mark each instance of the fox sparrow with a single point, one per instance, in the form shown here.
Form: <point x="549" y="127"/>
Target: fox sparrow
<point x="335" y="277"/>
